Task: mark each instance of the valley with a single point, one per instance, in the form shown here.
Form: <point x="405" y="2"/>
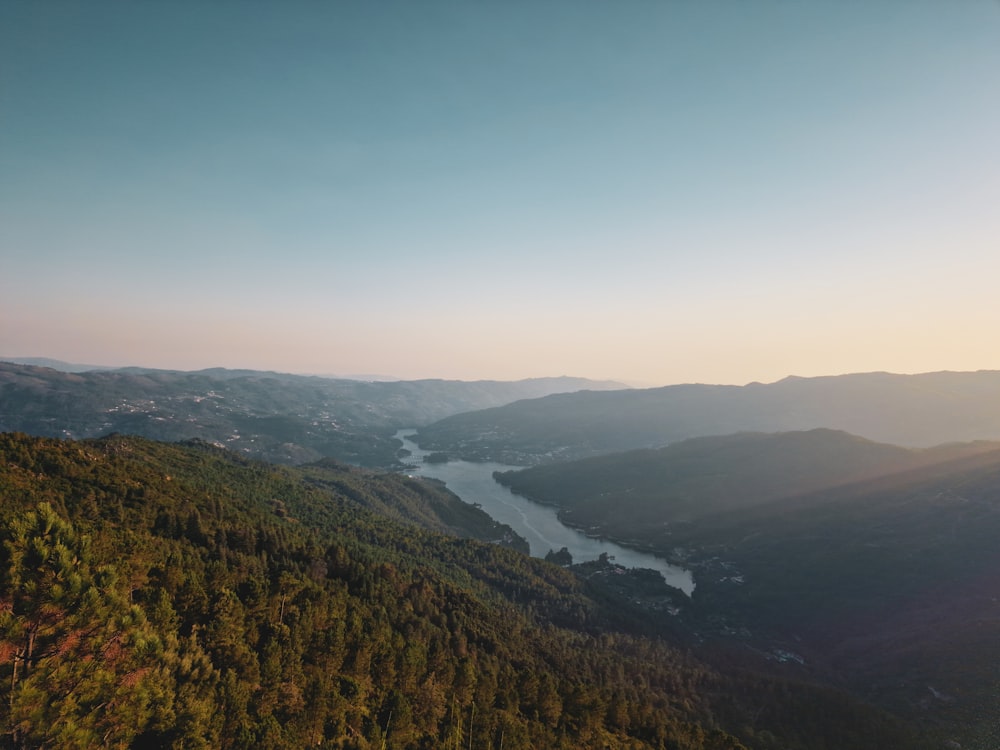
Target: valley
<point x="540" y="525"/>
<point x="279" y="417"/>
<point x="499" y="375"/>
<point x="803" y="589"/>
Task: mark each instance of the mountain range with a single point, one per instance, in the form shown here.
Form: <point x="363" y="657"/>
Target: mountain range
<point x="623" y="493"/>
<point x="840" y="531"/>
<point x="907" y="410"/>
<point x="280" y="417"/>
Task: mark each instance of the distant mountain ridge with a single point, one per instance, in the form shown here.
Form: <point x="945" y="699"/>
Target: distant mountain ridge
<point x="908" y="410"/>
<point x="632" y="494"/>
<point x="276" y="416"/>
<point x="55" y="364"/>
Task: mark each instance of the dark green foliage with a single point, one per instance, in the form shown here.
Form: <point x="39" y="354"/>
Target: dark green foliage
<point x="253" y="606"/>
<point x="884" y="585"/>
<point x="559" y="557"/>
<point x="68" y="633"/>
<point x="425" y="502"/>
<point x="893" y="587"/>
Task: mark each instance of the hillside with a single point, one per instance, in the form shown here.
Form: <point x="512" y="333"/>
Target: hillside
<point x="909" y="410"/>
<point x="278" y="417"/>
<point x="181" y="596"/>
<point x="871" y="565"/>
<point x="890" y="583"/>
<point x="625" y="495"/>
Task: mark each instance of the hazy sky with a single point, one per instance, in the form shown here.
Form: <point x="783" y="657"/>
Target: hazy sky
<point x="658" y="192"/>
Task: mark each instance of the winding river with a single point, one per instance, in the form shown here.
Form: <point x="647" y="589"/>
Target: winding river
<point x="537" y="523"/>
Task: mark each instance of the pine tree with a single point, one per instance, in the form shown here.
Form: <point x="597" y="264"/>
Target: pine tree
<point x="78" y="657"/>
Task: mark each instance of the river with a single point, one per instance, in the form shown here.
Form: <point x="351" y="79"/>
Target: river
<point x="539" y="524"/>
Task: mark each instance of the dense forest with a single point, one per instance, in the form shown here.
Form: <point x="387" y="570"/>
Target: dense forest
<point x="178" y="595"/>
<point x="868" y="563"/>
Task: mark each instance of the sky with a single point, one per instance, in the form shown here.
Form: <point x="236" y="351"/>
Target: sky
<point x="649" y="191"/>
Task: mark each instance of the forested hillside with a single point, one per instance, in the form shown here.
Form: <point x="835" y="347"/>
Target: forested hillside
<point x="275" y="416"/>
<point x="157" y="595"/>
<point x="891" y="584"/>
<point x="886" y="584"/>
<point x="909" y="410"/>
<point x="628" y="495"/>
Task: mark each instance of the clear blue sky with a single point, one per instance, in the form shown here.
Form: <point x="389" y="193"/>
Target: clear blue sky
<point x="656" y="192"/>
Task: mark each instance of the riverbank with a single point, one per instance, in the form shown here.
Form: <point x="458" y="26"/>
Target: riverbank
<point x="539" y="524"/>
<point x="592" y="532"/>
